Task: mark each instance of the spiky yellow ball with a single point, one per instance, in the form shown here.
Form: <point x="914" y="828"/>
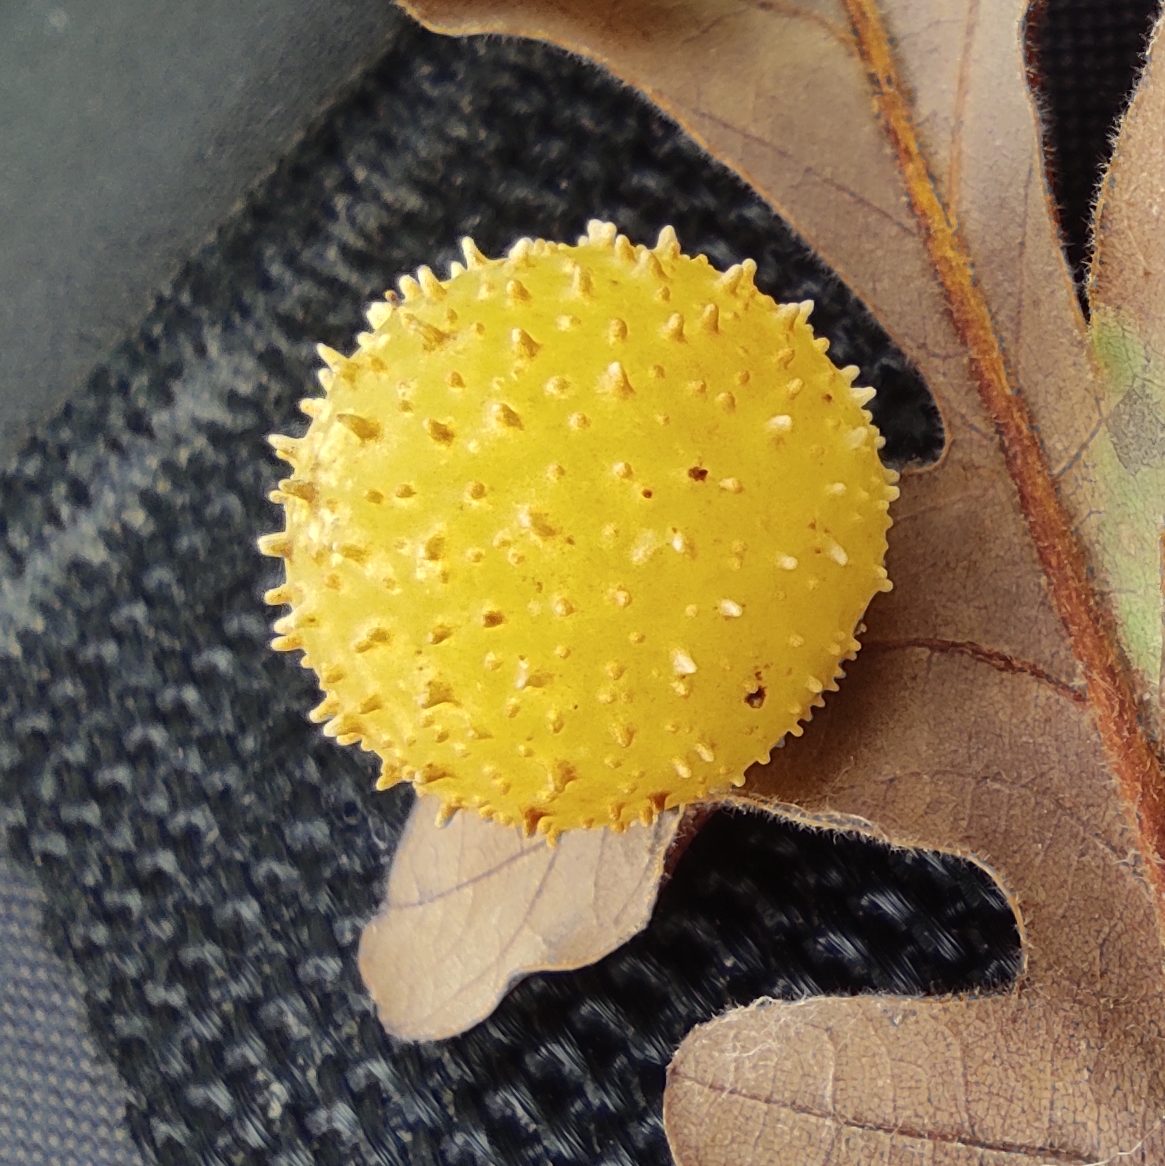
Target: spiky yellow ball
<point x="580" y="533"/>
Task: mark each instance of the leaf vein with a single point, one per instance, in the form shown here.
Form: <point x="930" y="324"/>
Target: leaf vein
<point x="946" y="1137"/>
<point x="993" y="657"/>
<point x="482" y="876"/>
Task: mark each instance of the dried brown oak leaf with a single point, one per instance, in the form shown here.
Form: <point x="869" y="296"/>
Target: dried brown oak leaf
<point x="472" y="905"/>
<point x="1007" y="700"/>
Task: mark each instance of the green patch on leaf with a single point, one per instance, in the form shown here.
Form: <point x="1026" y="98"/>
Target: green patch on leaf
<point x="1128" y="460"/>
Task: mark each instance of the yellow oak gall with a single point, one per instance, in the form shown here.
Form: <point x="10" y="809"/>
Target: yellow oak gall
<point x="580" y="533"/>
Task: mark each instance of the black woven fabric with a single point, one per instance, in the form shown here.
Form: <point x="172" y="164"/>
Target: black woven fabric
<point x="209" y="859"/>
<point x="1084" y="53"/>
